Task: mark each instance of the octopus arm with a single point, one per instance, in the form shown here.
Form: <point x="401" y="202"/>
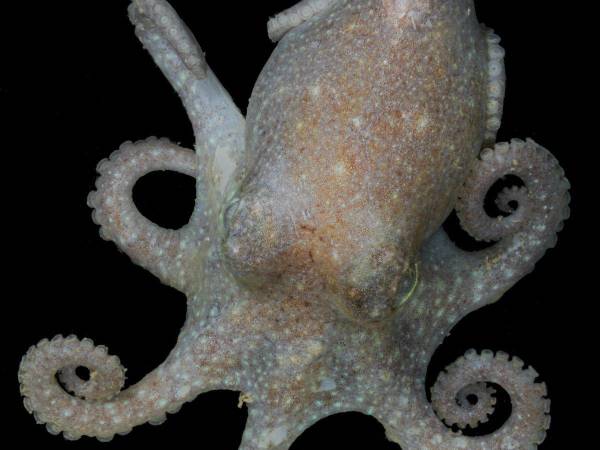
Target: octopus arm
<point x="219" y="126"/>
<point x="535" y="213"/>
<point x="283" y="22"/>
<point x="273" y="426"/>
<point x="97" y="407"/>
<point x="532" y="214"/>
<point x="455" y="282"/>
<point x="164" y="252"/>
<point x="279" y="408"/>
<point x="420" y="428"/>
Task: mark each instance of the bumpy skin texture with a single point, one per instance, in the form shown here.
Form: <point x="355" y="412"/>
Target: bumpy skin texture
<point x="318" y="277"/>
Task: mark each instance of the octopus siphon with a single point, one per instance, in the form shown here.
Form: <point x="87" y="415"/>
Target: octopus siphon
<point x="318" y="276"/>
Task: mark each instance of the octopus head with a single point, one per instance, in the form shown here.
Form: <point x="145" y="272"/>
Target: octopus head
<point x="344" y="240"/>
<point x="353" y="168"/>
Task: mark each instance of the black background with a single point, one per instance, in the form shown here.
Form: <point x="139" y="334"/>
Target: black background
<point x="75" y="83"/>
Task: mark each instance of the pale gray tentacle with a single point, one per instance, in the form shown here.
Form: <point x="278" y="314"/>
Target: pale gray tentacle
<point x="163" y="252"/>
<point x="283" y="22"/>
<point x="496" y="87"/>
<point x="524" y="235"/>
<point x="410" y="421"/>
<point x="218" y="125"/>
<point x="98" y="407"/>
<point x="471" y="373"/>
<point x="471" y="280"/>
<point x="456" y="282"/>
<point x="460" y="410"/>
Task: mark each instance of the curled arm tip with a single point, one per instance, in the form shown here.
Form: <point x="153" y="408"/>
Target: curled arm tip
<point x="470" y="375"/>
<point x="162" y="251"/>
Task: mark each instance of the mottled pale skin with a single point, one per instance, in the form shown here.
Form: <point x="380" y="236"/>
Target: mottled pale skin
<point x="318" y="277"/>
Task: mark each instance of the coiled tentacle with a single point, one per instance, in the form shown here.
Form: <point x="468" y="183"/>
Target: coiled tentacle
<point x="163" y="252"/>
<point x="542" y="177"/>
<point x="472" y="405"/>
<point x="99" y="408"/>
<point x="509" y="199"/>
<point x="543" y="201"/>
<point x="218" y="125"/>
<point x="535" y="213"/>
<point x="529" y="419"/>
<point x="457" y="282"/>
<point x="410" y="420"/>
<point x="106" y="374"/>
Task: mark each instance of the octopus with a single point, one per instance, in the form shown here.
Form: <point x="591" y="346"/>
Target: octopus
<point x="319" y="278"/>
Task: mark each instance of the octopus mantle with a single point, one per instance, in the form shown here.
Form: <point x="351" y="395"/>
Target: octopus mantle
<point x="318" y="276"/>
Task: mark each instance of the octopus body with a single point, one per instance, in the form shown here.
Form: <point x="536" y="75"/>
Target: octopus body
<point x="318" y="275"/>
